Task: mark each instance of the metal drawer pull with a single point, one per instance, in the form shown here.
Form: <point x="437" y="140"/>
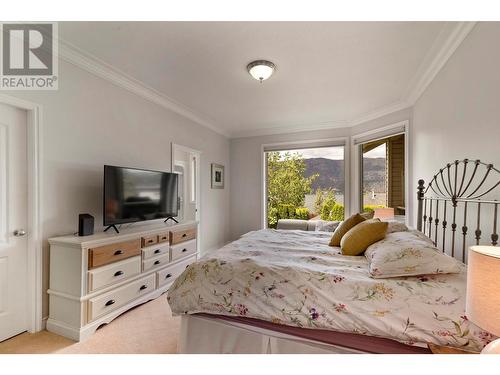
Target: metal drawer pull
<point x="149" y="241"/>
<point x="118" y="252"/>
<point x="118" y="273"/>
<point x="143" y="287"/>
<point x="157" y="251"/>
<point x="184" y="250"/>
<point x="157" y="262"/>
<point x="110" y="302"/>
<point x="168" y="275"/>
<point x="184" y="235"/>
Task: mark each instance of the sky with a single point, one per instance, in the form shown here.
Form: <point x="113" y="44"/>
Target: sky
<point x="335" y="153"/>
<point x="377" y="152"/>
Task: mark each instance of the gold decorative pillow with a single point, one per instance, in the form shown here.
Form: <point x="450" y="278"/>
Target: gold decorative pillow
<point x="357" y="239"/>
<point x="344" y="227"/>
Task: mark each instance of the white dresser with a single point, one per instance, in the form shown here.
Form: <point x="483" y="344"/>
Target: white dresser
<point x="93" y="279"/>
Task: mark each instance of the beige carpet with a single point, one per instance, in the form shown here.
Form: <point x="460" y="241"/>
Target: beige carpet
<point x="149" y="328"/>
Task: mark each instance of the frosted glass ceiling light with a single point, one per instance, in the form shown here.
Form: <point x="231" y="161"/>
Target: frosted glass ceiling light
<point x="261" y="69"/>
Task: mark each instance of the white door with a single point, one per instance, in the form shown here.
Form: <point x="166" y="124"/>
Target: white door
<point x="13" y="220"/>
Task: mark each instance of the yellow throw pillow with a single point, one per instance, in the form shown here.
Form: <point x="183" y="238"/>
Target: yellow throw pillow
<point x="344" y="227"/>
<point x="357" y="239"/>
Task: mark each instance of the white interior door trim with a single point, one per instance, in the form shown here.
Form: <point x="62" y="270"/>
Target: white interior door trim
<point x="34" y="157"/>
<point x="198" y="153"/>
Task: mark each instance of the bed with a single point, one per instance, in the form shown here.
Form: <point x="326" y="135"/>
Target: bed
<point x="287" y="291"/>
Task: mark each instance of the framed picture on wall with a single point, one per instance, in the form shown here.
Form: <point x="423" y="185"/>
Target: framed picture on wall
<point x="217" y="176"/>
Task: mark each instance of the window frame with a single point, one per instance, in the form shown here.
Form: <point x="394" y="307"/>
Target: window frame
<point x="357" y="140"/>
<point x="297" y="145"/>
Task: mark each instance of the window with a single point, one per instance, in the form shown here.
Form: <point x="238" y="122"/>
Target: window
<point x="383" y="177"/>
<point x="304" y="183"/>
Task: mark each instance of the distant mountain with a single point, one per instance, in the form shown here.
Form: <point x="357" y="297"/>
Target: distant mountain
<point x="331" y="173"/>
<point x="374" y="174"/>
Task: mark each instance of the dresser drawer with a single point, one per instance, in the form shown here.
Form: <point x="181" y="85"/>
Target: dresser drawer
<point x="114" y="299"/>
<point x="154" y="251"/>
<point x="169" y="274"/>
<point x="149" y="240"/>
<point x="182" y="236"/>
<point x="182" y="250"/>
<point x="155" y="262"/>
<point x="113" y="273"/>
<point x="163" y="237"/>
<point x="99" y="256"/>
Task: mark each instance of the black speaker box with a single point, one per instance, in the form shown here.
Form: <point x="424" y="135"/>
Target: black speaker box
<point x="85" y="225"/>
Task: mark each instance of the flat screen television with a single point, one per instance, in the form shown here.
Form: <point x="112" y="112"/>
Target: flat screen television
<point x="132" y="195"/>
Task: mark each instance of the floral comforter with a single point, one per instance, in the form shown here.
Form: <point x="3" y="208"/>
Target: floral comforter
<point x="295" y="278"/>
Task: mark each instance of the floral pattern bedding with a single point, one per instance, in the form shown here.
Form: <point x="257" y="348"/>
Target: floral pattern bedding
<point x="295" y="278"/>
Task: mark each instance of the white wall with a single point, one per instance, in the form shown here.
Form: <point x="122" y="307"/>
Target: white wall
<point x="90" y="122"/>
<point x="458" y="116"/>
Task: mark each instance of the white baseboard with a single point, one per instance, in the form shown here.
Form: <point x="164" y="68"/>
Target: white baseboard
<point x="62" y="329"/>
<point x="44" y="323"/>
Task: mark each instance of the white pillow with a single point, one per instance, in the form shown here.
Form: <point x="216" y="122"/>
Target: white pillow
<point x="326" y="226"/>
<point x="408" y="254"/>
<point x="395" y="226"/>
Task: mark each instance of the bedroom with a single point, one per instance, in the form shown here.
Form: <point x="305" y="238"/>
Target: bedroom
<point x="191" y="123"/>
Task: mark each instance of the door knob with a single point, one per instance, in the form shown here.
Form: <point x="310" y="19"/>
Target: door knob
<point x="19" y="232"/>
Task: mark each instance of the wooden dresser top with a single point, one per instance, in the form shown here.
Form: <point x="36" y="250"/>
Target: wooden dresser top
<point x="134" y="231"/>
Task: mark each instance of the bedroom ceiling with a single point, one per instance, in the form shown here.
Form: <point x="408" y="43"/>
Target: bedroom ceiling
<point x="329" y="74"/>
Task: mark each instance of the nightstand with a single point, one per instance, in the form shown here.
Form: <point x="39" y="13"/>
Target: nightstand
<point x="438" y="349"/>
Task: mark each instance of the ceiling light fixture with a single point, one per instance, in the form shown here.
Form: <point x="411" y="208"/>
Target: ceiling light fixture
<point x="261" y="69"/>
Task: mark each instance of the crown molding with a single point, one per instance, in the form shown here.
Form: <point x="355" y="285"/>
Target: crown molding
<point x="92" y="64"/>
<point x="395" y="107"/>
<point x="450" y="38"/>
<point x="383" y="111"/>
<point x="290" y="129"/>
<point x="447" y="42"/>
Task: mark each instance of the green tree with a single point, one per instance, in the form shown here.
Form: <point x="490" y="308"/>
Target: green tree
<point x="328" y="203"/>
<point x="318" y="201"/>
<point x="302" y="213"/>
<point x="330" y="209"/>
<point x="286" y="183"/>
<point x="337" y="213"/>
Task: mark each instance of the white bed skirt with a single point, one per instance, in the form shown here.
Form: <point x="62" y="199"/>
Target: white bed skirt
<point x="201" y="335"/>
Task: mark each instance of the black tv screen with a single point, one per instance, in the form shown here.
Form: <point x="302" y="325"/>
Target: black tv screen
<point x="132" y="195"/>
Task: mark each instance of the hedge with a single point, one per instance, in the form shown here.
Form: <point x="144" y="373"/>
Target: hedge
<point x="286" y="211"/>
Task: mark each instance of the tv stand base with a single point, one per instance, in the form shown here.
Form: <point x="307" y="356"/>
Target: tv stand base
<point x="170" y="218"/>
<point x="112" y="226"/>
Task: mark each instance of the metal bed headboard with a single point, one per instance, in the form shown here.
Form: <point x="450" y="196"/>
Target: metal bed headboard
<point x="460" y="185"/>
